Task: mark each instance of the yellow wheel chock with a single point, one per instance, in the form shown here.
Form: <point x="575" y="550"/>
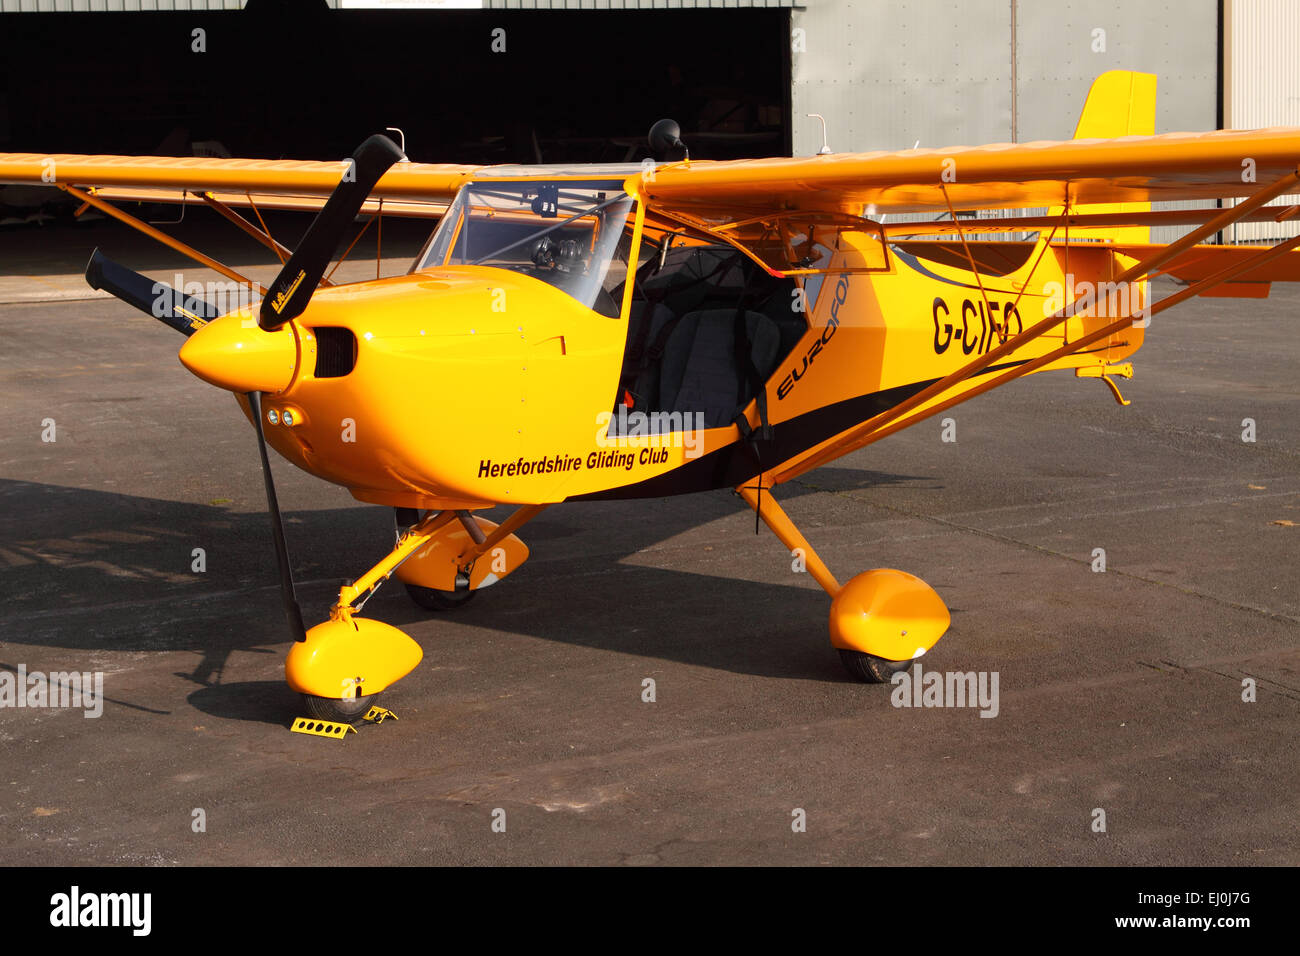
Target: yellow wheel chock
<point x="336" y="730"/>
<point x="321" y="728"/>
<point x="377" y="715"/>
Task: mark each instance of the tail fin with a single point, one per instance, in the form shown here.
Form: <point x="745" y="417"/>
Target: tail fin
<point x="1120" y="103"/>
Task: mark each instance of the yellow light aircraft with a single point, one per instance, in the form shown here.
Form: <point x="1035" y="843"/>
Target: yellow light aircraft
<point x="602" y="332"/>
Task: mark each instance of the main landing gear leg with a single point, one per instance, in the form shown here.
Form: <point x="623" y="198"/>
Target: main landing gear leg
<point x="881" y="620"/>
<point x="463" y="557"/>
<point x="346" y="661"/>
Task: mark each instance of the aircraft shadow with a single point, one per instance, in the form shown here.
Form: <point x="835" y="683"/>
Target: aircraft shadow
<point x="92" y="570"/>
<point x="257" y="701"/>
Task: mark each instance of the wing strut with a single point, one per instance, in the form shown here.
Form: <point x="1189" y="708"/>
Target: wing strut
<point x="857" y="437"/>
<point x="1086" y="220"/>
<point x="1224" y="275"/>
<point x="887" y="423"/>
<point x="517" y="520"/>
<point x="1034" y="268"/>
<point x="961" y="234"/>
<point x="262" y="235"/>
<point x="162" y="237"/>
<point x="348" y="250"/>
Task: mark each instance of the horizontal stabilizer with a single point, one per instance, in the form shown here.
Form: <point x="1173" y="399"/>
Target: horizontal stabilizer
<point x="1200" y="262"/>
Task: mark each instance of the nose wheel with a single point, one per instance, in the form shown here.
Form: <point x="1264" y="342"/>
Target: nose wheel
<point x="871" y="669"/>
<point x="348" y="711"/>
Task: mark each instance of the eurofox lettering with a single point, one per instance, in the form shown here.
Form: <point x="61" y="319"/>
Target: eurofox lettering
<point x="840" y="297"/>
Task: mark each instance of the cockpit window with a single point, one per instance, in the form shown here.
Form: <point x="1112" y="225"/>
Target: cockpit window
<point x="571" y="235"/>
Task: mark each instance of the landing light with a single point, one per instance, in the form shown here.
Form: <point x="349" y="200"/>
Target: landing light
<point x="273" y="417"/>
<point x="287" y="418"/>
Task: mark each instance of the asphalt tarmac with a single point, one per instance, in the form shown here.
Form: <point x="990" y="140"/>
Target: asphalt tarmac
<point x="1118" y="691"/>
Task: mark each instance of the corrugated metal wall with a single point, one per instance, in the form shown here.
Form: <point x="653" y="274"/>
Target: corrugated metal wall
<point x="1062" y="48"/>
<point x="112" y="6"/>
<point x="942" y="71"/>
<point x="937" y="71"/>
<point x="81" y="6"/>
<point x="633" y="4"/>
<point x="1262" y="82"/>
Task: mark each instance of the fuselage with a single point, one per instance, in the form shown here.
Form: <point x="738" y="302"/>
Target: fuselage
<point x="470" y="385"/>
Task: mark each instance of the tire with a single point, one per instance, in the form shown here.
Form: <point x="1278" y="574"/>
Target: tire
<point x="405" y="517"/>
<point x="430" y="599"/>
<point x="341" y="711"/>
<point x="870" y="669"/>
<point x="433" y="600"/>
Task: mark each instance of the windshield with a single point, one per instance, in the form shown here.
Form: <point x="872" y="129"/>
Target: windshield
<point x="571" y="235"/>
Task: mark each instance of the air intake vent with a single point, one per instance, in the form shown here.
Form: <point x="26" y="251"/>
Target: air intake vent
<point x="336" y="352"/>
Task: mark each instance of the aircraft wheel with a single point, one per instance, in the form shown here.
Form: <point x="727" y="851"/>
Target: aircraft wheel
<point x="405" y="517"/>
<point x="871" y="669"/>
<point x="432" y="599"/>
<point x="343" y="711"/>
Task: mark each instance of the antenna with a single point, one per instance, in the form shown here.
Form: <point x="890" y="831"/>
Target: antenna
<point x="825" y="150"/>
<point x="401" y="144"/>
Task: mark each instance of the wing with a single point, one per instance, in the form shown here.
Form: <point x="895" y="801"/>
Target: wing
<point x="409" y="189"/>
<point x="1084" y="184"/>
<point x="1171" y="167"/>
<point x="1093" y="189"/>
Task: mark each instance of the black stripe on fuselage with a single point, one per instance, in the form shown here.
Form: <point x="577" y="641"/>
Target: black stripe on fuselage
<point x="736" y="463"/>
<point x="920" y="267"/>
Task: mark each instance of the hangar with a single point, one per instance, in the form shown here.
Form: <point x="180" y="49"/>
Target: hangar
<point x="581" y="80"/>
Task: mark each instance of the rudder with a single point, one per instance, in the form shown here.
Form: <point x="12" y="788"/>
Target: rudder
<point x="1120" y="103"/>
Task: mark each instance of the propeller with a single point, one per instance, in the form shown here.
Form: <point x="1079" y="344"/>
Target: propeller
<point x="288" y="297"/>
<point x="298" y="278"/>
<point x="185" y="314"/>
<point x="210" y="354"/>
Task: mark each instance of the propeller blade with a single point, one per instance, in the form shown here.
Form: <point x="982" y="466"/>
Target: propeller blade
<point x="294" y="286"/>
<point x="291" y="609"/>
<point x="185" y="314"/>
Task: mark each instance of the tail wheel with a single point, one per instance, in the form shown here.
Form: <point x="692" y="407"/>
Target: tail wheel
<point x="871" y="669"/>
<point x="348" y="711"/>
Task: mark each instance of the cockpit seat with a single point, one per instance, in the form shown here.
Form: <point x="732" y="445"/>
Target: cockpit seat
<point x="706" y="363"/>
